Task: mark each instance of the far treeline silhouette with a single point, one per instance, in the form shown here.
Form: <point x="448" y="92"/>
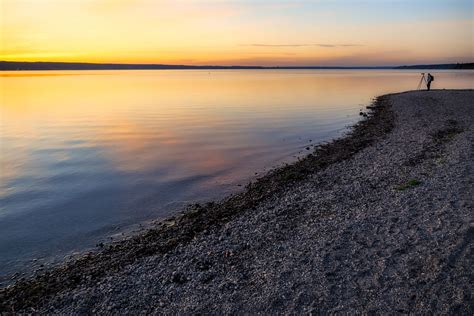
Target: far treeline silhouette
<point x="12" y="65"/>
<point x="439" y="66"/>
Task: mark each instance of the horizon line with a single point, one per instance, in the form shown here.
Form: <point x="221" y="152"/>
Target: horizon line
<point x="125" y="66"/>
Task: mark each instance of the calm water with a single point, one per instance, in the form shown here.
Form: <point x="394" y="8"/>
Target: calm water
<point x="88" y="154"/>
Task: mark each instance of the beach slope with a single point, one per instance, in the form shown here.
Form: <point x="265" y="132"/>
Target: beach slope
<point x="380" y="221"/>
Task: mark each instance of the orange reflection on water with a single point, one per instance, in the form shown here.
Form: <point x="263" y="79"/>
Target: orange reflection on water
<point x="130" y="112"/>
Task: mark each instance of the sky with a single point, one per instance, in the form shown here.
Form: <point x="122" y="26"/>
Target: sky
<point x="239" y="32"/>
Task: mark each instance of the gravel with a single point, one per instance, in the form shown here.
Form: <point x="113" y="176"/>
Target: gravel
<point x="379" y="221"/>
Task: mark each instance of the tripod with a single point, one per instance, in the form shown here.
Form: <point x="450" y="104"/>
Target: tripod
<point x="423" y="79"/>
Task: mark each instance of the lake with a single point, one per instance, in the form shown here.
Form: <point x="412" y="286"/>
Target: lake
<point x="87" y="155"/>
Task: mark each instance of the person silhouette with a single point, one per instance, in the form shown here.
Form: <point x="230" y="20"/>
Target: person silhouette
<point x="429" y="79"/>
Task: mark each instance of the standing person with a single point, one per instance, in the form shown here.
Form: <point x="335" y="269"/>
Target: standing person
<point x="429" y="78"/>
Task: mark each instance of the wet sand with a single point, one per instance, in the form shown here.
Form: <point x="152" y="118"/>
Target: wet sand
<point x="378" y="221"/>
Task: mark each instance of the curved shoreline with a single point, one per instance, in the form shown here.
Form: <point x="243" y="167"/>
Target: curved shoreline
<point x="200" y="222"/>
<point x="195" y="219"/>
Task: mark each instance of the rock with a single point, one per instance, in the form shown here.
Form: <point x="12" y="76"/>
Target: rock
<point x="178" y="277"/>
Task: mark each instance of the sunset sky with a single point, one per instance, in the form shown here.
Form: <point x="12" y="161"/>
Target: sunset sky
<point x="239" y="32"/>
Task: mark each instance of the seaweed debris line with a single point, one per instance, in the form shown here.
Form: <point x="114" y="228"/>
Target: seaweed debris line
<point x="377" y="221"/>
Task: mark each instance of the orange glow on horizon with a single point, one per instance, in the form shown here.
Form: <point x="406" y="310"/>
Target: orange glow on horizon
<point x="223" y="33"/>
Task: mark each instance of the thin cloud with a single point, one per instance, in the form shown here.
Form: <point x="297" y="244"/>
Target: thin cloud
<point x="301" y="45"/>
<point x="338" y="45"/>
<point x="276" y="45"/>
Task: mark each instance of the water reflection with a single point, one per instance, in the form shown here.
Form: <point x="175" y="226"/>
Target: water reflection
<point x="85" y="153"/>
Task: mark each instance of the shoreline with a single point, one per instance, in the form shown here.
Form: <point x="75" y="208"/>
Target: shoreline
<point x="32" y="66"/>
<point x="200" y="222"/>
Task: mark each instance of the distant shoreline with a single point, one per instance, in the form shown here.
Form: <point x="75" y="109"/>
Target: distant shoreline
<point x="32" y="66"/>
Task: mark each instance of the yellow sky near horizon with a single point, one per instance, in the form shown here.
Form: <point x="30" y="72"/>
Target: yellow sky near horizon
<point x="245" y="32"/>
